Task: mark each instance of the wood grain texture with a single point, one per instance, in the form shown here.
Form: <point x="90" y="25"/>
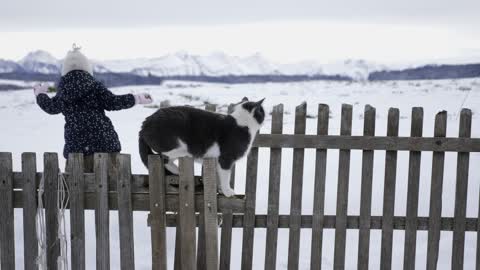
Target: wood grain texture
<point x="7" y="233"/>
<point x="296" y="194"/>
<point x="77" y="214"/>
<point x="187" y="215"/>
<point x="366" y="192"/>
<point x="210" y="214"/>
<point x="50" y="168"/>
<point x="29" y="189"/>
<point x="389" y="194"/>
<point x="102" y="214"/>
<point x="125" y="214"/>
<point x="274" y="192"/>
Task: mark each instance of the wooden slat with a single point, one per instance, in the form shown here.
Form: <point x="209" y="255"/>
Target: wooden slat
<point x="157" y="212"/>
<point x="50" y="165"/>
<point x="319" y="191"/>
<point x="187" y="215"/>
<point x="274" y="192"/>
<point x="436" y="189"/>
<point x="249" y="216"/>
<point x="210" y="213"/>
<point x="297" y="186"/>
<point x="368" y="143"/>
<point x="227" y="216"/>
<point x="77" y="214"/>
<point x="412" y="193"/>
<point x="342" y="192"/>
<point x="366" y="192"/>
<point x="461" y="194"/>
<point x="125" y="214"/>
<point x="478" y="240"/>
<point x="30" y="244"/>
<point x="102" y="215"/>
<point x="7" y="240"/>
<point x="389" y="193"/>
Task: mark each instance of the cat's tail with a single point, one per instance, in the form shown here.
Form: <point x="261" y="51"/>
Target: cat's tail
<point x="144" y="150"/>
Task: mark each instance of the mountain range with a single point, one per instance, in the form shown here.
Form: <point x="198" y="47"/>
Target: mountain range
<point x="220" y="67"/>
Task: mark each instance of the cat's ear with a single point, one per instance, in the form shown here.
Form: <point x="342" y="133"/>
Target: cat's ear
<point x="259" y="103"/>
<point x="244" y="99"/>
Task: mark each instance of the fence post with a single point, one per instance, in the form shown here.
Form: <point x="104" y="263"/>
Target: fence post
<point x="102" y="214"/>
<point x="412" y="193"/>
<point x="366" y="192"/>
<point x="77" y="214"/>
<point x="297" y="186"/>
<point x="342" y="191"/>
<point x="436" y="189"/>
<point x="125" y="214"/>
<point x="274" y="192"/>
<point x="186" y="190"/>
<point x="50" y="175"/>
<point x="30" y="244"/>
<point x="210" y="213"/>
<point x="389" y="193"/>
<point x="459" y="221"/>
<point x="7" y="241"/>
<point x="156" y="179"/>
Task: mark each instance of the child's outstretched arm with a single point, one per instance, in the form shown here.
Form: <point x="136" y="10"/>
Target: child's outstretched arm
<point x="112" y="102"/>
<point x="49" y="105"/>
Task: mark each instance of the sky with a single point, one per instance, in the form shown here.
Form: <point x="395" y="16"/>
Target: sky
<point x="283" y="31"/>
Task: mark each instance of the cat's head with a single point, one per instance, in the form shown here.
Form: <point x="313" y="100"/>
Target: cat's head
<point x="250" y="111"/>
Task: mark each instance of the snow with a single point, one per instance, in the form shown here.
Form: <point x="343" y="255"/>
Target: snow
<point x="32" y="130"/>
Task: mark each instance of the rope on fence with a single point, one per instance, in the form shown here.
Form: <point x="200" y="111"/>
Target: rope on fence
<point x="41" y="231"/>
<point x="62" y="202"/>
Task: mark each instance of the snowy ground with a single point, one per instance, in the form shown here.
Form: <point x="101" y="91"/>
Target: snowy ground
<point x="27" y="129"/>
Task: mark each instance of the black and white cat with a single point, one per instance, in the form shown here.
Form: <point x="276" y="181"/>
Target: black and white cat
<point x="183" y="131"/>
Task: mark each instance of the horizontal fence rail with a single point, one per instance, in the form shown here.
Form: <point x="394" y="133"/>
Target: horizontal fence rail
<point x="188" y="202"/>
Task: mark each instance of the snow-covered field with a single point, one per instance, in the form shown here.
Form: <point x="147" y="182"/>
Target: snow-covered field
<point x="25" y="128"/>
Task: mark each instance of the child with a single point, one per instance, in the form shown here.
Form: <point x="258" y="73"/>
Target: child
<point x="83" y="101"/>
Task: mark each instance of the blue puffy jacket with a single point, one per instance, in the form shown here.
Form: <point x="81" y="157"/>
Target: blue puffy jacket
<point x="83" y="101"/>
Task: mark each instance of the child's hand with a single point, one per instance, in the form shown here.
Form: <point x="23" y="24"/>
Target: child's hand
<point x="143" y="98"/>
<point x="40" y="88"/>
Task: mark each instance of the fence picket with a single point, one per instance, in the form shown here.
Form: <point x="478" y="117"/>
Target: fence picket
<point x="412" y="193"/>
<point x="77" y="214"/>
<point x="29" y="191"/>
<point x="297" y="186"/>
<point x="319" y="191"/>
<point x="50" y="175"/>
<point x="249" y="215"/>
<point x="125" y="214"/>
<point x="102" y="214"/>
<point x="436" y="188"/>
<point x="459" y="223"/>
<point x="342" y="191"/>
<point x="7" y="240"/>
<point x="186" y="191"/>
<point x="366" y="192"/>
<point x="274" y="192"/>
<point x="210" y="213"/>
<point x="389" y="194"/>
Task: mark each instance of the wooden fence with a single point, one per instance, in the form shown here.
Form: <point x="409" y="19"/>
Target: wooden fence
<point x="112" y="186"/>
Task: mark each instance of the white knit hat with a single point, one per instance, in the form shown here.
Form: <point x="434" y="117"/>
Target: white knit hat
<point x="75" y="60"/>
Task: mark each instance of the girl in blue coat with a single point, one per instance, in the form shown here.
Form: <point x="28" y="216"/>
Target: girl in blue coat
<point x="83" y="101"/>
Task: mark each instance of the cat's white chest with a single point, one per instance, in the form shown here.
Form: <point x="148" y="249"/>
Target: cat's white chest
<point x="213" y="151"/>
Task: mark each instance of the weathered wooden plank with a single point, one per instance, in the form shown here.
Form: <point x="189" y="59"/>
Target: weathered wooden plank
<point x="342" y="192"/>
<point x="274" y="192"/>
<point x="319" y="191"/>
<point x="102" y="215"/>
<point x="30" y="244"/>
<point x="366" y="192"/>
<point x="461" y="193"/>
<point x="125" y="214"/>
<point x="157" y="212"/>
<point x="50" y="165"/>
<point x="478" y="241"/>
<point x="249" y="216"/>
<point x="187" y="215"/>
<point x="77" y="214"/>
<point x="412" y="192"/>
<point x="389" y="193"/>
<point x="297" y="186"/>
<point x="7" y="240"/>
<point x="368" y="143"/>
<point x="210" y="213"/>
<point x="436" y="189"/>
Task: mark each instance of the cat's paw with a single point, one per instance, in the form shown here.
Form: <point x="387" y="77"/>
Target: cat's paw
<point x="228" y="192"/>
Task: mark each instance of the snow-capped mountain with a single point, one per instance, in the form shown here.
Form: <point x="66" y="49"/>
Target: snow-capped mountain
<point x="40" y="62"/>
<point x="7" y="66"/>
